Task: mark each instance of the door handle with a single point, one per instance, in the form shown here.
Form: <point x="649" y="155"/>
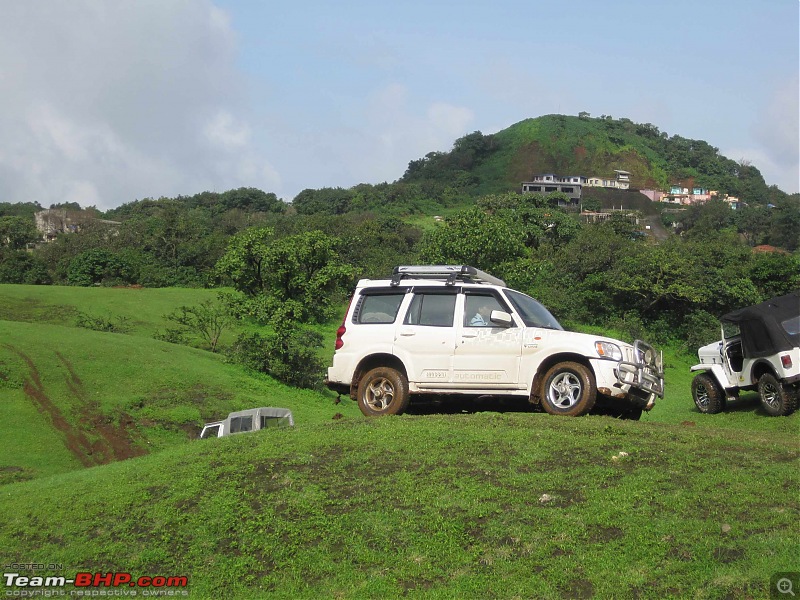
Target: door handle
<point x="408" y="333"/>
<point x="469" y="335"/>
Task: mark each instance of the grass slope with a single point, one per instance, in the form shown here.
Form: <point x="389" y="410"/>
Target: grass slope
<point x="493" y="500"/>
<point x="72" y="398"/>
<point x="465" y="506"/>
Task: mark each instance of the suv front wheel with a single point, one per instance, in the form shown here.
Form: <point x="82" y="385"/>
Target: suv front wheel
<point x="568" y="389"/>
<point x="383" y="391"/>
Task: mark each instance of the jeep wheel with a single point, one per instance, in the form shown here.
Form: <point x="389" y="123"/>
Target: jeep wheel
<point x="568" y="389"/>
<point x="708" y="396"/>
<point x="776" y="398"/>
<point x="383" y="391"/>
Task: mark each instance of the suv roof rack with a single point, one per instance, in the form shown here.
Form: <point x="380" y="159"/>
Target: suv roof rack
<point x="451" y="273"/>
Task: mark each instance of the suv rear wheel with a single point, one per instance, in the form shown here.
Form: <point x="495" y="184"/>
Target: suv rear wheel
<point x="776" y="398"/>
<point x="383" y="391"/>
<point x="568" y="389"/>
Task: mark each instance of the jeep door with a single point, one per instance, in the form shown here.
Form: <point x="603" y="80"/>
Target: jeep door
<point x="487" y="355"/>
<point x="425" y="339"/>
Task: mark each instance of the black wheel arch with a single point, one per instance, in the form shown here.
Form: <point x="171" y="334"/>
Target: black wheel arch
<point x="760" y="368"/>
<point x="374" y="361"/>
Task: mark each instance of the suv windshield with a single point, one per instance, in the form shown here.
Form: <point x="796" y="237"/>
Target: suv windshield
<point x="533" y="314"/>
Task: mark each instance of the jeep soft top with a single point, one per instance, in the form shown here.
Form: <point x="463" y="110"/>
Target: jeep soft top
<point x="770" y="327"/>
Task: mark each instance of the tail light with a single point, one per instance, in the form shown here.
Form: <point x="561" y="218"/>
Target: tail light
<point x="339" y="334"/>
<point x="786" y="361"/>
<point x="342" y="329"/>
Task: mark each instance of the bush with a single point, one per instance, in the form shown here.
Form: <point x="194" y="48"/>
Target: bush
<point x="18" y="266"/>
<point x="288" y="355"/>
<point x="119" y="324"/>
<point x="98" y="266"/>
<point x="206" y="320"/>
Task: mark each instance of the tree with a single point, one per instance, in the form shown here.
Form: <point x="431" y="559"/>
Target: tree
<point x="475" y="237"/>
<point x="98" y="266"/>
<point x="243" y="261"/>
<point x="17" y="232"/>
<point x="786" y="223"/>
<point x="754" y="223"/>
<point x="19" y="266"/>
<point x="207" y="320"/>
<point x="289" y="354"/>
<point x="329" y="201"/>
<point x="299" y="277"/>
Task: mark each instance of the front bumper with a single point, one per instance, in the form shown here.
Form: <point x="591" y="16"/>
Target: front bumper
<point x="643" y="375"/>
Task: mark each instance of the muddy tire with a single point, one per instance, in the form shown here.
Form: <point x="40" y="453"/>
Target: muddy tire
<point x="777" y="399"/>
<point x="708" y="396"/>
<point x="383" y="391"/>
<point x="568" y="389"/>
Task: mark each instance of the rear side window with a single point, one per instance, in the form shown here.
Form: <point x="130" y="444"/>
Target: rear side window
<point x="434" y="310"/>
<point x="792" y="326"/>
<point x="242" y="424"/>
<point x="378" y="308"/>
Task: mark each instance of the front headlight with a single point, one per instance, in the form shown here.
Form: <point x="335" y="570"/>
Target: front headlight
<point x="608" y="350"/>
<point x="649" y="356"/>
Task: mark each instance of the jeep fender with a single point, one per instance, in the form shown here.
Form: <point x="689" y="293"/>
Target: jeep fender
<point x="719" y="374"/>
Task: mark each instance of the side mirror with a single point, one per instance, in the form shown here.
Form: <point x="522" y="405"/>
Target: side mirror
<point x="501" y="318"/>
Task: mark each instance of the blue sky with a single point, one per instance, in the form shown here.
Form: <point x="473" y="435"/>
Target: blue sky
<point x="105" y="102"/>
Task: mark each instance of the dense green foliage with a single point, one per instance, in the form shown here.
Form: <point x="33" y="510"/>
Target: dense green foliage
<point x="298" y="262"/>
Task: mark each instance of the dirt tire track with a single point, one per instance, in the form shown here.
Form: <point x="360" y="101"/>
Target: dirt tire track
<point x="115" y="441"/>
<point x="118" y="439"/>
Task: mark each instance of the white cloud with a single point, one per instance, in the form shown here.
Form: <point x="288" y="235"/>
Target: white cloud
<point x="450" y="120"/>
<point x="106" y="102"/>
<point x="777" y="129"/>
<point x="785" y="176"/>
<point x="397" y="132"/>
<point x="227" y="132"/>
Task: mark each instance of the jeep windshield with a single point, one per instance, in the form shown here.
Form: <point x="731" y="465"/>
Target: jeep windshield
<point x="532" y="313"/>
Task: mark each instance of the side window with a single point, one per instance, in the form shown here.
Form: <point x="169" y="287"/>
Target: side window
<point x="378" y="308"/>
<point x="241" y="424"/>
<point x="210" y="432"/>
<point x="478" y="308"/>
<point x="434" y="310"/>
<point x="273" y="421"/>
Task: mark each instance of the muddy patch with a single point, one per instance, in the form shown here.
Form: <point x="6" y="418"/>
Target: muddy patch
<point x="14" y="474"/>
<point x="95" y="438"/>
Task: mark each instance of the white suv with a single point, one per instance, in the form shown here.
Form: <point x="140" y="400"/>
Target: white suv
<point x="433" y="330"/>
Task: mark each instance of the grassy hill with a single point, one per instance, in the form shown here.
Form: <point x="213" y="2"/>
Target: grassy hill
<point x="485" y="505"/>
<point x="592" y="147"/>
<point x="473" y="500"/>
<point x="72" y="397"/>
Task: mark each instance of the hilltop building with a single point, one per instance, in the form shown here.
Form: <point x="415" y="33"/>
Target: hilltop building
<point x="621" y="182"/>
<point x="547" y="183"/>
<point x="53" y="221"/>
<point x="572" y="185"/>
<point x="679" y="194"/>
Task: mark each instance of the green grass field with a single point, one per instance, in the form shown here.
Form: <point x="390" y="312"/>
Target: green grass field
<point x="472" y="500"/>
